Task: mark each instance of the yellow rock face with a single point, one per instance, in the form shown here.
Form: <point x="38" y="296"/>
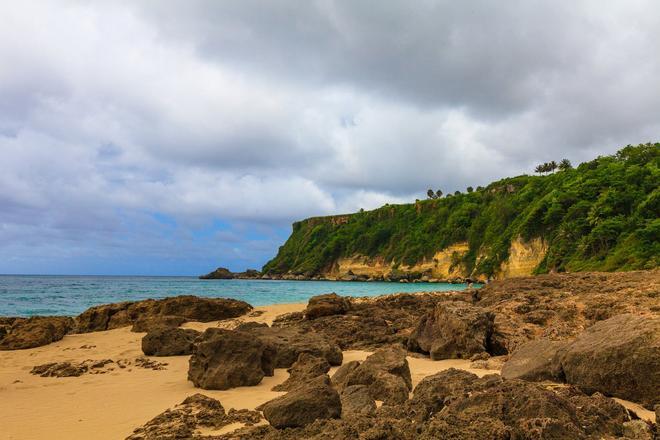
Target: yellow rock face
<point x="524" y="257"/>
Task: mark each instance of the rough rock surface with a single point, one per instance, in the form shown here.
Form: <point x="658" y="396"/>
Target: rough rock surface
<point x="385" y="373"/>
<point x="433" y="392"/>
<point x="33" y="332"/>
<point x="71" y="369"/>
<point x="356" y="400"/>
<point x="314" y="400"/>
<point x="534" y="360"/>
<point x="306" y="368"/>
<point x="191" y="308"/>
<point x="326" y="305"/>
<point x="196" y="411"/>
<point x="619" y="356"/>
<point x="169" y="342"/>
<point x="150" y="323"/>
<point x="453" y="330"/>
<point x="225" y="359"/>
<point x="289" y="343"/>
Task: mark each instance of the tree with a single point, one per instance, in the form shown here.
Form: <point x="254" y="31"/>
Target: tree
<point x="470" y="189"/>
<point x="430" y="194"/>
<point x="438" y="194"/>
<point x="565" y="164"/>
<point x="539" y="168"/>
<point x="457" y="193"/>
<point x="552" y="166"/>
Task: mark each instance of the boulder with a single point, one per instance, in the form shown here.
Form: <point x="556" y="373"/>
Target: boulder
<point x="186" y="419"/>
<point x="169" y="342"/>
<point x="306" y="368"/>
<point x="433" y="392"/>
<point x="326" y="305"/>
<point x="223" y="359"/>
<point x="342" y="374"/>
<point x="454" y="329"/>
<point x="289" y="343"/>
<point x="386" y="374"/>
<point x="191" y="308"/>
<point x="300" y="407"/>
<point x="356" y="400"/>
<point x="150" y="323"/>
<point x="535" y="361"/>
<point x="618" y="357"/>
<point x="34" y="332"/>
<point x="638" y="430"/>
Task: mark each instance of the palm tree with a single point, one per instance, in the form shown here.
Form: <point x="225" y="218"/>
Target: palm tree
<point x="565" y="164"/>
<point x="438" y="194"/>
<point x="552" y="166"/>
<point x="430" y="194"/>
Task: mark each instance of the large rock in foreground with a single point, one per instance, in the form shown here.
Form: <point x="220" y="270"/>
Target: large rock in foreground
<point x="306" y="368"/>
<point x="618" y="357"/>
<point x="535" y="361"/>
<point x="190" y="308"/>
<point x="314" y="400"/>
<point x="385" y="373"/>
<point x="169" y="342"/>
<point x="224" y="359"/>
<point x="34" y="332"/>
<point x="454" y="329"/>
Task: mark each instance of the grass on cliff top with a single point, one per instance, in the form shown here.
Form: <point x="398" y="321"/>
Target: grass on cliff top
<point x="602" y="215"/>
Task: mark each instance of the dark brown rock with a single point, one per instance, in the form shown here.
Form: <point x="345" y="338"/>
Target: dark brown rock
<point x="150" y="323"/>
<point x="289" y="343"/>
<point x="191" y="308"/>
<point x="314" y="400"/>
<point x="306" y="368"/>
<point x="356" y="400"/>
<point x="617" y="357"/>
<point x="326" y="305"/>
<point x="225" y="359"/>
<point x="535" y="361"/>
<point x="342" y="374"/>
<point x="70" y="369"/>
<point x="195" y="412"/>
<point x="453" y="330"/>
<point x="34" y="332"/>
<point x="386" y="374"/>
<point x="169" y="342"/>
<point x="433" y="392"/>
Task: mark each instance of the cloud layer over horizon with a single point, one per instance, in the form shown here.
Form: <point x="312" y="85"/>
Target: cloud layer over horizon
<point x="169" y="137"/>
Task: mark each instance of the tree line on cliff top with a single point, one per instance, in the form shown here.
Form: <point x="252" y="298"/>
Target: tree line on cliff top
<point x="601" y="215"/>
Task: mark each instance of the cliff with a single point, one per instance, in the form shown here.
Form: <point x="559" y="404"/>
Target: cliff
<point x="602" y="215"/>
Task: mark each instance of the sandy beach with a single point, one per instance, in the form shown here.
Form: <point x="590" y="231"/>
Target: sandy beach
<point x="111" y="405"/>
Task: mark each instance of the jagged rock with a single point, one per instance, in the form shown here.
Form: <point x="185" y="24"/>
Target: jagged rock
<point x="196" y="411"/>
<point x="535" y="361"/>
<point x="326" y="305"/>
<point x="289" y="343"/>
<point x="225" y="359"/>
<point x="150" y="323"/>
<point x="221" y="273"/>
<point x="191" y="308"/>
<point x="638" y="430"/>
<point x="34" y="332"/>
<point x="314" y="400"/>
<point x="306" y="368"/>
<point x="342" y="374"/>
<point x="69" y="369"/>
<point x="431" y="392"/>
<point x="453" y="330"/>
<point x="169" y="342"/>
<point x="356" y="399"/>
<point x="619" y="357"/>
<point x="386" y="374"/>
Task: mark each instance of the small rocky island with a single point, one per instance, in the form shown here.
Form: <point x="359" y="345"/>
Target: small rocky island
<point x="564" y="356"/>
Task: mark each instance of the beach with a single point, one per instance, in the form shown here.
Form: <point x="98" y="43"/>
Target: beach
<point x="109" y="406"/>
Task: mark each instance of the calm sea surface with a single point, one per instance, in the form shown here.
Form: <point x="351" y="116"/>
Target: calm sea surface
<point x="27" y="295"/>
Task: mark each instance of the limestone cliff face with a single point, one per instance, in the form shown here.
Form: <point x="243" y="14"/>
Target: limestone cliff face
<point x="439" y="267"/>
<point x="524" y="257"/>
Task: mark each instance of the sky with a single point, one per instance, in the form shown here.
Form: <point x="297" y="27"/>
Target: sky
<point x="163" y="137"/>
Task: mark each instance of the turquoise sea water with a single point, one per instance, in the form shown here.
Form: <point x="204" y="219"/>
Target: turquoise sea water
<point x="28" y="295"/>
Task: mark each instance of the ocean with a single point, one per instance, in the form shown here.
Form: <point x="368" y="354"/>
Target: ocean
<point x="29" y="295"/>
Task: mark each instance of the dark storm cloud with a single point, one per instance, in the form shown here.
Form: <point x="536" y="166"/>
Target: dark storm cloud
<point x="255" y="114"/>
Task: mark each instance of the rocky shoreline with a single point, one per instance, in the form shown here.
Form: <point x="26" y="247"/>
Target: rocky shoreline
<point x="564" y="345"/>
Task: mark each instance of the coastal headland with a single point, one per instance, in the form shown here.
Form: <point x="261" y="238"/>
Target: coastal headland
<point x="560" y="355"/>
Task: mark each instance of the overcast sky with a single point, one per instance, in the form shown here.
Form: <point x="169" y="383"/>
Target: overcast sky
<point x="171" y="137"/>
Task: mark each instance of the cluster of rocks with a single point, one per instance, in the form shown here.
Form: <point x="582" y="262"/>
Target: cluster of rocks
<point x="194" y="413"/>
<point x="90" y="366"/>
<point x="147" y="315"/>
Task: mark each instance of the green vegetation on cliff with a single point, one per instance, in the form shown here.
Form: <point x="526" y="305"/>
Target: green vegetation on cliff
<point x="601" y="215"/>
